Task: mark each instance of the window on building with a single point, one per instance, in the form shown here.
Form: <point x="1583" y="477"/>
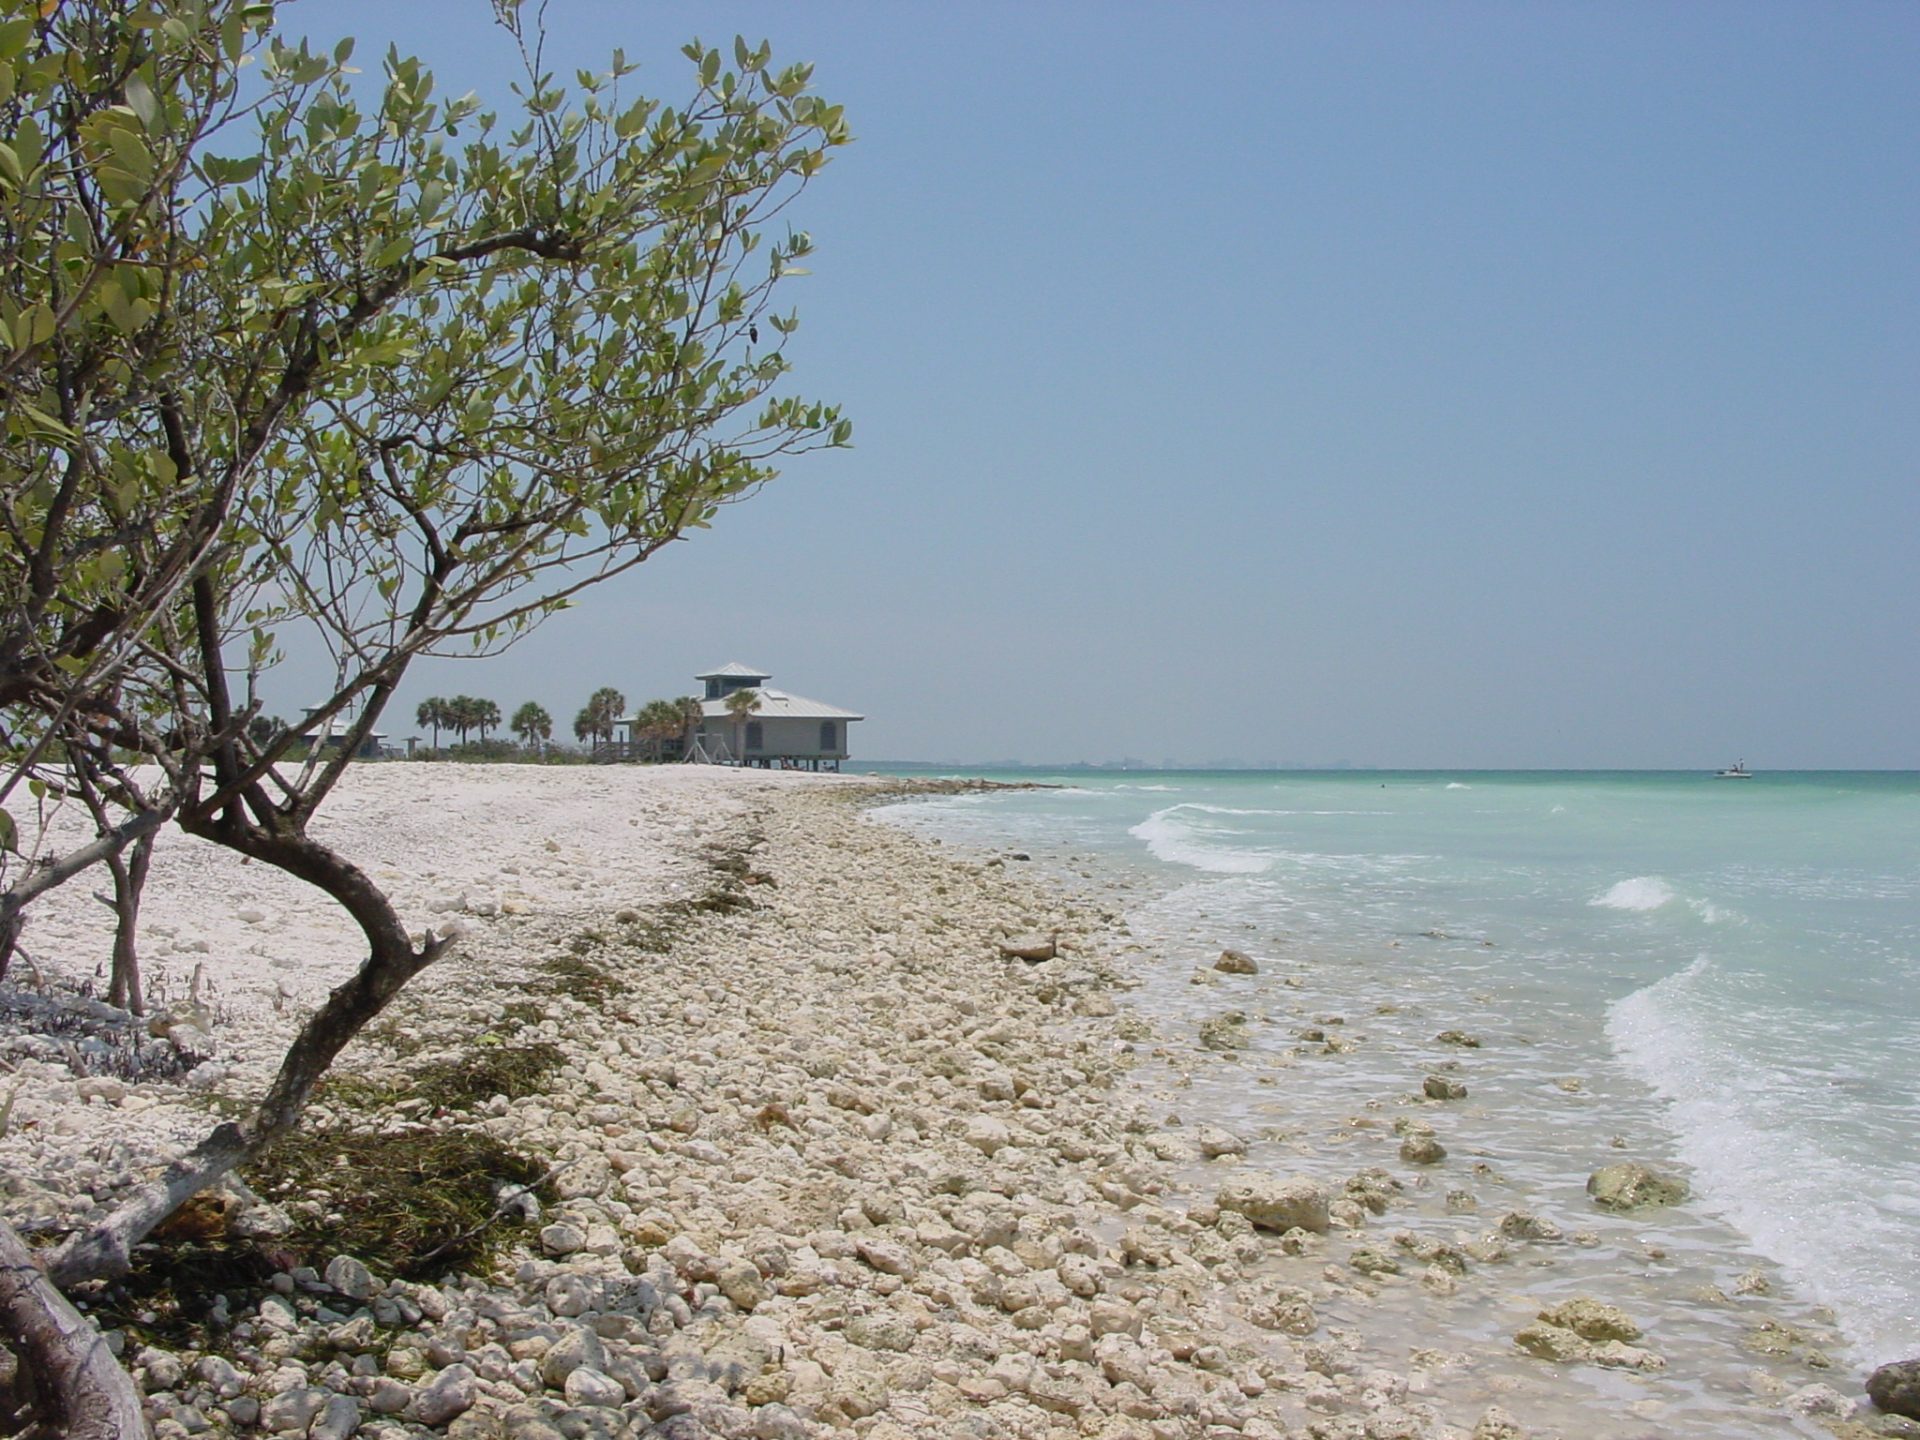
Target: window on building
<point x="829" y="738"/>
<point x="753" y="735"/>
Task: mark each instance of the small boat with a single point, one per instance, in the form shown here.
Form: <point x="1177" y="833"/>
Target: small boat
<point x="1737" y="771"/>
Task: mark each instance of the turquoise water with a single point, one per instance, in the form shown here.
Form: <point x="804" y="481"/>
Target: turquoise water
<point x="1729" y="968"/>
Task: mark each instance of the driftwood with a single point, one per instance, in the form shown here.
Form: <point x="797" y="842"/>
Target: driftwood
<point x="81" y="1390"/>
<point x="1033" y="954"/>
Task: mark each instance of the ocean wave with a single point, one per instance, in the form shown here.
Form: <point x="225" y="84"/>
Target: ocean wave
<point x="1645" y="893"/>
<point x="1171" y="838"/>
<point x="1642" y="892"/>
<point x="1456" y="785"/>
<point x="1766" y="1156"/>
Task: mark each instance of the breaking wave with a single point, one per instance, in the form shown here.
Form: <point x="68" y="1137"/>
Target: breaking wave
<point x="1178" y="837"/>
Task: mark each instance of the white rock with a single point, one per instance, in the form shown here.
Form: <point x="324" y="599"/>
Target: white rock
<point x="988" y="1135"/>
<point x="450" y="1393"/>
<point x="590" y="1388"/>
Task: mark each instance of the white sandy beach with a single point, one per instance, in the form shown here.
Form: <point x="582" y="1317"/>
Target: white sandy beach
<point x="829" y="1163"/>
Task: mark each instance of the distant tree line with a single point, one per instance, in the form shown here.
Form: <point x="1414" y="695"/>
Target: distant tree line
<point x="661" y="729"/>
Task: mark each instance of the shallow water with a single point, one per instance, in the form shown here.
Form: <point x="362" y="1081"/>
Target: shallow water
<point x="1721" y="976"/>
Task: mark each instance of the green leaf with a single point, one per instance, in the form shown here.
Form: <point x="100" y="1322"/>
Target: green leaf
<point x="9" y="833"/>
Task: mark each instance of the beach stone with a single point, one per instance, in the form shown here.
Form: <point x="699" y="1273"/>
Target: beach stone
<point x="577" y="1348"/>
<point x="1497" y="1424"/>
<point x="1439" y="1087"/>
<point x="561" y="1238"/>
<point x="1460" y="1038"/>
<point x="1225" y="1032"/>
<point x="883" y="1331"/>
<point x="1553" y="1342"/>
<point x="1633" y="1186"/>
<point x="292" y="1411"/>
<point x="1215" y="1142"/>
<point x="450" y="1393"/>
<point x="1819" y="1402"/>
<point x="351" y="1278"/>
<point x="1524" y="1225"/>
<point x="337" y="1420"/>
<point x="1618" y="1356"/>
<point x="1277" y="1204"/>
<point x="1895" y="1388"/>
<point x="1236" y="962"/>
<point x="1591" y="1320"/>
<point x="987" y="1135"/>
<point x="592" y="1389"/>
<point x="1422" y="1150"/>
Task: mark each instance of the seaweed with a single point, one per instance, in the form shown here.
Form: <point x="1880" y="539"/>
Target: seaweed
<point x="413" y="1203"/>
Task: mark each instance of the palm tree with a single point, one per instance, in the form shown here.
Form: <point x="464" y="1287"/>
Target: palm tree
<point x="692" y="712"/>
<point x="595" y="720"/>
<point x="533" y="725"/>
<point x="432" y="712"/>
<point x="657" y="722"/>
<point x="460" y="715"/>
<point x="606" y="705"/>
<point x="740" y="704"/>
<point x="486" y="716"/>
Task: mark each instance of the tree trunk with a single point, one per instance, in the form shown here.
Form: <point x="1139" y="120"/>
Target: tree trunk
<point x="392" y="961"/>
<point x="83" y="1393"/>
<point x="129" y="881"/>
<point x="41" y="878"/>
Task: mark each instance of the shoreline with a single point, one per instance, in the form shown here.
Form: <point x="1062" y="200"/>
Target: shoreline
<point x="826" y="1163"/>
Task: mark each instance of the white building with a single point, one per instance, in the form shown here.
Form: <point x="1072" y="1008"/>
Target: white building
<point x="782" y="730"/>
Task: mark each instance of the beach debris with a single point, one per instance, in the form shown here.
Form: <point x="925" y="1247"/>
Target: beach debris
<point x="1032" y="949"/>
<point x="1276" y="1203"/>
<point x="1460" y="1038"/>
<point x="1236" y="962"/>
<point x="1895" y="1388"/>
<point x="1439" y="1087"/>
<point x="1633" y="1186"/>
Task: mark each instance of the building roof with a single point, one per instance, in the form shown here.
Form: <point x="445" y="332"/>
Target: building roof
<point x="734" y="670"/>
<point x="779" y="705"/>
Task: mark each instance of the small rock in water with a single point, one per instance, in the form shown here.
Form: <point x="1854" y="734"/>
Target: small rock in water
<point x="1633" y="1186"/>
<point x="1225" y="1032"/>
<point x="1591" y="1320"/>
<point x="1422" y="1150"/>
<point x="1293" y="1203"/>
<point x="1236" y="962"/>
<point x="1497" y="1424"/>
<point x="1895" y="1388"/>
<point x="1460" y="1038"/>
<point x="1214" y="1142"/>
<point x="1439" y="1087"/>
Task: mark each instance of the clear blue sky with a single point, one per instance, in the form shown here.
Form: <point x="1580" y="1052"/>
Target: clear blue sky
<point x="1479" y="384"/>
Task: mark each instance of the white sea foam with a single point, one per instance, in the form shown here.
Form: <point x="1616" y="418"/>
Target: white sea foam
<point x="1172" y="837"/>
<point x="1456" y="785"/>
<point x="1765" y="1155"/>
<point x="1642" y="892"/>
